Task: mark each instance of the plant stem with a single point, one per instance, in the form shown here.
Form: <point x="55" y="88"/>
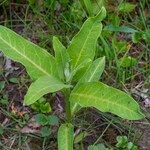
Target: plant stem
<point x="68" y="110"/>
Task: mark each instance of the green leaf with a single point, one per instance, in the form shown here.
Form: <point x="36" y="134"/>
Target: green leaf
<point x="98" y="147"/>
<point x="41" y="119"/>
<point x="45" y="108"/>
<point x="1" y="130"/>
<point x="93" y="147"/>
<point x="127" y="62"/>
<point x="42" y="86"/>
<point x="136" y="37"/>
<point x="106" y="99"/>
<point x="83" y="44"/>
<point x="46" y="131"/>
<point x="61" y="56"/>
<point x="53" y="120"/>
<point x="88" y="5"/>
<point x="146" y="35"/>
<point x="78" y="69"/>
<point x="102" y="147"/>
<point x="14" y="80"/>
<point x="119" y="47"/>
<point x="122" y="142"/>
<point x="31" y="2"/>
<point x="131" y="146"/>
<point x="65" y="137"/>
<point x="98" y="4"/>
<point x="80" y="137"/>
<point x="36" y="106"/>
<point x="2" y="85"/>
<point x="126" y="7"/>
<point x="4" y="99"/>
<point x="80" y="72"/>
<point x="114" y="19"/>
<point x="92" y="74"/>
<point x="119" y="29"/>
<point x="26" y="117"/>
<point x="37" y="61"/>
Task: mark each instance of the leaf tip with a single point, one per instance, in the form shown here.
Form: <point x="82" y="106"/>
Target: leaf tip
<point x="102" y="14"/>
<point x="103" y="58"/>
<point x="54" y="38"/>
<point x="24" y="103"/>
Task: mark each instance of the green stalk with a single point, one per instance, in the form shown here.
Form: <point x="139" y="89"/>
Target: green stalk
<point x="68" y="110"/>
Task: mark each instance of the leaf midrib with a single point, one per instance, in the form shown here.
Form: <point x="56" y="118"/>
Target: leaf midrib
<point x="94" y="71"/>
<point x="24" y="56"/>
<point x="83" y="46"/>
<point x="103" y="100"/>
<point x="67" y="143"/>
<point x="54" y="85"/>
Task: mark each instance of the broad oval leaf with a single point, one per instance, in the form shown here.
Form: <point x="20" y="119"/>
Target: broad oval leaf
<point x="65" y="137"/>
<point x="61" y="56"/>
<point x="106" y="99"/>
<point x="37" y="61"/>
<point x="83" y="44"/>
<point x="42" y="86"/>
